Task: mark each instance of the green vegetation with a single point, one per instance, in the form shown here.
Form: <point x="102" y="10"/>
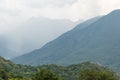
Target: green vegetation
<point x="3" y="74"/>
<point x="45" y="74"/>
<point x="91" y="74"/>
<point x="16" y="70"/>
<point x="83" y="71"/>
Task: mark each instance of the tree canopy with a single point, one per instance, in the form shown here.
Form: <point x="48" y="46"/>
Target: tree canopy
<point x="93" y="74"/>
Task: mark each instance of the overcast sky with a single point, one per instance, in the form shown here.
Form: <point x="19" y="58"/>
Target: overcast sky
<point x="13" y="12"/>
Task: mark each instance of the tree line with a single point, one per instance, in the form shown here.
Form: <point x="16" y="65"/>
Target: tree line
<point x="83" y="71"/>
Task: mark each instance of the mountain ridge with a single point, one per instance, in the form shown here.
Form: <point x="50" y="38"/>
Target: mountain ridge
<point x="97" y="42"/>
<point x="84" y="24"/>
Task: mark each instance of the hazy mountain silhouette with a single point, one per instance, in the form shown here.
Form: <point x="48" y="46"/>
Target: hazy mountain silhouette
<point x="99" y="42"/>
<point x="34" y="33"/>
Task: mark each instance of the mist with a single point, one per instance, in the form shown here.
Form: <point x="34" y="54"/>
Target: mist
<point x="35" y="33"/>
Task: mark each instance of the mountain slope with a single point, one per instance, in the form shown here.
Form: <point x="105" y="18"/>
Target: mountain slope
<point x="30" y="34"/>
<point x="36" y="32"/>
<point x="35" y="53"/>
<point x="98" y="42"/>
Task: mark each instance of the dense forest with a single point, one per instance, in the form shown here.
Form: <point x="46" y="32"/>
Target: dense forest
<point x="83" y="71"/>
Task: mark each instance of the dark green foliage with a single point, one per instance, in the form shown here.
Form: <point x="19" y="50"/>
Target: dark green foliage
<point x="11" y="71"/>
<point x="16" y="70"/>
<point x="45" y="74"/>
<point x="72" y="72"/>
<point x="3" y="75"/>
<point x="92" y="74"/>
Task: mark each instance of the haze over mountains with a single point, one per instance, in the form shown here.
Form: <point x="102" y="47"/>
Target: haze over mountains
<point x="97" y="41"/>
<point x="31" y="35"/>
<point x="4" y="48"/>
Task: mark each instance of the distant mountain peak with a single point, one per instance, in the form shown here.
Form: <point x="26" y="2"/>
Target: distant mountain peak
<point x="115" y="12"/>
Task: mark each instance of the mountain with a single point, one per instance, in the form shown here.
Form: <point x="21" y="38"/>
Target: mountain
<point x="42" y="31"/>
<point x="98" y="42"/>
<point x="35" y="32"/>
<point x="81" y="26"/>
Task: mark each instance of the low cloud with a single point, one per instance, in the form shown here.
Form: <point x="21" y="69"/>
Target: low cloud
<point x="48" y="3"/>
<point x="20" y="10"/>
<point x="14" y="12"/>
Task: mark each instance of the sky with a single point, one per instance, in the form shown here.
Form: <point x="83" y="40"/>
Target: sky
<point x="14" y="12"/>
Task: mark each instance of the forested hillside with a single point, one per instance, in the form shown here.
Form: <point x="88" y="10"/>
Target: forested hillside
<point x="11" y="71"/>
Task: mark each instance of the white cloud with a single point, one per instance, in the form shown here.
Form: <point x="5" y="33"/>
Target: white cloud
<point x="107" y="6"/>
<point x="48" y="3"/>
<point x="71" y="9"/>
<point x="13" y="12"/>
